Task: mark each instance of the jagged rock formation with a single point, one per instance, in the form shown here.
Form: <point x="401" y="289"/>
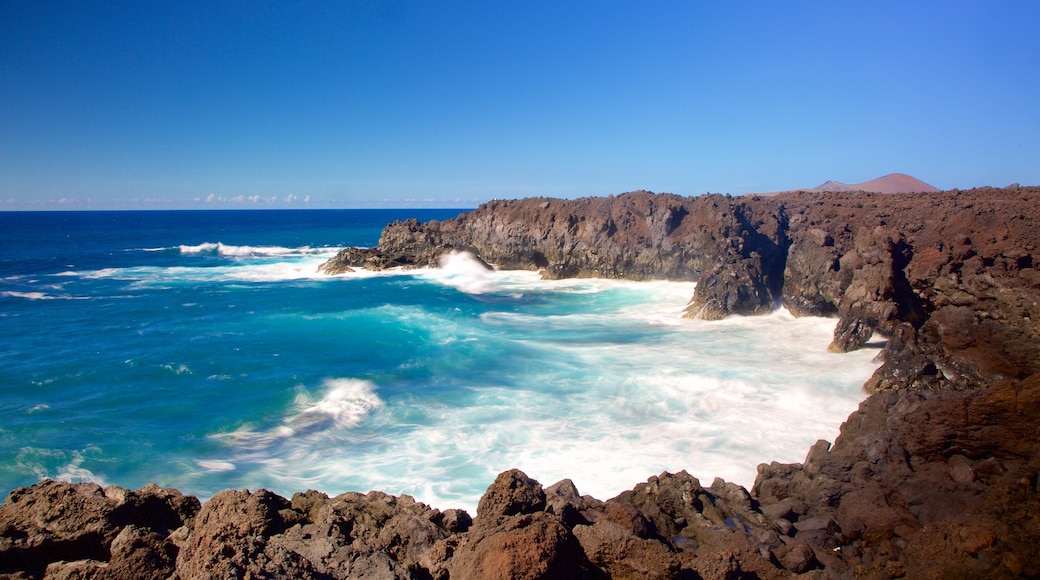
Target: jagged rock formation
<point x="936" y="475"/>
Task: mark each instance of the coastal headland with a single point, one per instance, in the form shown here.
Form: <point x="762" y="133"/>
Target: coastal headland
<point x="936" y="475"/>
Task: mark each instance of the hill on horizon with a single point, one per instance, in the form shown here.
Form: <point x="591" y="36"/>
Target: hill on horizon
<point x="891" y="183"/>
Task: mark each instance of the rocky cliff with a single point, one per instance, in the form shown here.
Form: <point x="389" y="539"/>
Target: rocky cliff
<point x="947" y="277"/>
<point x="936" y="475"/>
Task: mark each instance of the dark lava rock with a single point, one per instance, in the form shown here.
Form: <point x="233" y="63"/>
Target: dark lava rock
<point x="512" y="493"/>
<point x="530" y="546"/>
<point x="125" y="533"/>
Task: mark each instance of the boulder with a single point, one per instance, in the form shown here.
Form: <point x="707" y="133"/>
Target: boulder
<point x="53" y="522"/>
<point x="512" y="493"/>
<point x="525" y="546"/>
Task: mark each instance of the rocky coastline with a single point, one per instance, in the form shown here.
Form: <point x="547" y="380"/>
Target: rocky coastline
<point x="936" y="475"/>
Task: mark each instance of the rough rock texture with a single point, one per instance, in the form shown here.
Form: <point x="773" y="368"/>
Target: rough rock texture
<point x="116" y="532"/>
<point x="669" y="527"/>
<point x="924" y="484"/>
<point x="513" y="537"/>
<point x="937" y="475"/>
<point x="886" y="501"/>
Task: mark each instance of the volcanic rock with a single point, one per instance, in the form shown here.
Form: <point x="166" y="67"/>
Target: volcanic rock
<point x="129" y="532"/>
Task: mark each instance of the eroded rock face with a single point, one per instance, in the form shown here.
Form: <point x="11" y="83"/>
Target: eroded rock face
<point x="932" y="484"/>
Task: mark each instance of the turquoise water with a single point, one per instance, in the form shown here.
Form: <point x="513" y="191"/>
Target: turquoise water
<point x="203" y="351"/>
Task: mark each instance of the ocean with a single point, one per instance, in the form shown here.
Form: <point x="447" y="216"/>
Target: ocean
<point x="202" y="350"/>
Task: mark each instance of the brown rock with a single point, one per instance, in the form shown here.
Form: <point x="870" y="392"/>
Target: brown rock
<point x="512" y="493"/>
<point x="357" y="534"/>
<point x="563" y="499"/>
<point x="522" y="546"/>
<point x="797" y="557"/>
<point x="138" y="553"/>
<point x="622" y="554"/>
<point x="62" y="522"/>
<point x="231" y="536"/>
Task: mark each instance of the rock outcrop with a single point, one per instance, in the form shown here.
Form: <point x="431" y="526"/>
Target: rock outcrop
<point x="936" y="475"/>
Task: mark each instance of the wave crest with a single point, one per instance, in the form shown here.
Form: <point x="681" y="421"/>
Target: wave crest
<point x="233" y="251"/>
<point x="346" y="403"/>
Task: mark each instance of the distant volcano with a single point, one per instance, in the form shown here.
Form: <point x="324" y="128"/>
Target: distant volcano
<point x="891" y="183"/>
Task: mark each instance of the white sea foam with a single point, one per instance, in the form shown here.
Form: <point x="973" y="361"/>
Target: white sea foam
<point x="343" y="405"/>
<point x="60" y="465"/>
<point x="73" y="473"/>
<point x="27" y="295"/>
<point x="41" y="296"/>
<point x="218" y="466"/>
<point x="347" y="402"/>
<point x="177" y="369"/>
<point x="255" y="271"/>
<point x="243" y="264"/>
<point x="608" y="394"/>
<point x="207" y="248"/>
<point x="463" y="271"/>
<point x="221" y="249"/>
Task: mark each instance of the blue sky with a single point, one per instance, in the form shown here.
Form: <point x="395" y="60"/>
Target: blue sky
<point x="367" y="103"/>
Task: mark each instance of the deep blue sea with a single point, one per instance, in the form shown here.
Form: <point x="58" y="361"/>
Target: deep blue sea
<point x="202" y="350"/>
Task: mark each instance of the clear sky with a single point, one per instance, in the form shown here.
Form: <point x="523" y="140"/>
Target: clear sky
<point x="365" y="103"/>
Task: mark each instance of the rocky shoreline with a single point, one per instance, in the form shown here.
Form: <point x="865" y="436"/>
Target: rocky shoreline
<point x="936" y="474"/>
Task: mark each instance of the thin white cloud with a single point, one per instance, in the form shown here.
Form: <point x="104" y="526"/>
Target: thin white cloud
<point x="274" y="200"/>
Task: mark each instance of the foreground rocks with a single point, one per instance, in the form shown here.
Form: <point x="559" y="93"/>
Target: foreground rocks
<point x="937" y="475"/>
<point x="82" y="531"/>
<point x="899" y="494"/>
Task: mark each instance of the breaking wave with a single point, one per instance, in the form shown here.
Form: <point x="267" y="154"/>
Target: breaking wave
<point x="236" y="251"/>
<point x="344" y="405"/>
